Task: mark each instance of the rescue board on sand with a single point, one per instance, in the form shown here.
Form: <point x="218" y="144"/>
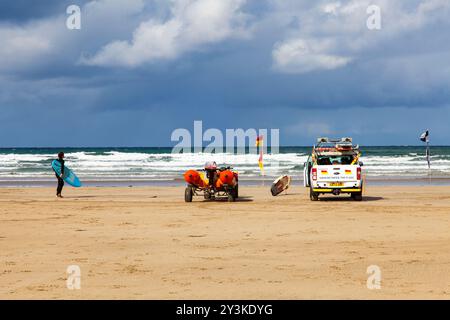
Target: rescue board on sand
<point x="279" y="185"/>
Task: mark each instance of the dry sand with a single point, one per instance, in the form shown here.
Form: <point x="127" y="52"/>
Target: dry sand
<point x="146" y="243"/>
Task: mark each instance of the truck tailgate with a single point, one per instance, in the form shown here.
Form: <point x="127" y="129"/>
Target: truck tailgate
<point x="337" y="173"/>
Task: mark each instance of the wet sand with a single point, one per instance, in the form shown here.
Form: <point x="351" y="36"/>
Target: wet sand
<point x="147" y="243"/>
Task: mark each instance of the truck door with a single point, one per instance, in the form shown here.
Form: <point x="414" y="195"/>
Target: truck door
<point x="307" y="172"/>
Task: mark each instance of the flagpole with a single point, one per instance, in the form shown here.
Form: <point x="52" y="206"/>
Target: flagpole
<point x="429" y="159"/>
<point x="260" y="144"/>
<point x="425" y="137"/>
<point x="261" y="151"/>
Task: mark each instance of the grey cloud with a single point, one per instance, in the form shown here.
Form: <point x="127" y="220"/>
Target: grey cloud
<point x="398" y="72"/>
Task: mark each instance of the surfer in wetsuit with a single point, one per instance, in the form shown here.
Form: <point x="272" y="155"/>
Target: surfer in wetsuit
<point x="60" y="177"/>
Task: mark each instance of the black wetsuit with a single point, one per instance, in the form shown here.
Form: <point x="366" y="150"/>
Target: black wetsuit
<point x="60" y="180"/>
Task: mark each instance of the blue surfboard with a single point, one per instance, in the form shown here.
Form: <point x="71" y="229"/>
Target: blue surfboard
<point x="69" y="176"/>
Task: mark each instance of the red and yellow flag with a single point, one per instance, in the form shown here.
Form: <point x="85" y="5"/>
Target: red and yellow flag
<point x="259" y="144"/>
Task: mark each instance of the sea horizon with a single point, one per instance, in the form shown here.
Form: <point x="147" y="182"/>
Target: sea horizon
<point x="141" y="166"/>
<point x="171" y="147"/>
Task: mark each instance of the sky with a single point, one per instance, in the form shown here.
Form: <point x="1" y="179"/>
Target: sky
<point x="137" y="70"/>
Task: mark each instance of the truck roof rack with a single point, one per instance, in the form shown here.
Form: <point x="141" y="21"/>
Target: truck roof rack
<point x="340" y="140"/>
<point x="335" y="146"/>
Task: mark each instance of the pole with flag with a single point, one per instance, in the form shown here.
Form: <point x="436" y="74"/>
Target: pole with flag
<point x="425" y="137"/>
<point x="259" y="144"/>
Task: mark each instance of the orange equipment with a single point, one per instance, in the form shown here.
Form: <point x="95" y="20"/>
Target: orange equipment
<point x="226" y="177"/>
<point x="195" y="178"/>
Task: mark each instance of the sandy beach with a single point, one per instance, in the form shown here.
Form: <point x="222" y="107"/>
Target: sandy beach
<point x="146" y="243"/>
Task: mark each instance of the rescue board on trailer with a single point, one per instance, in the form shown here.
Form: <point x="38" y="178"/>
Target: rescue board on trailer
<point x="279" y="185"/>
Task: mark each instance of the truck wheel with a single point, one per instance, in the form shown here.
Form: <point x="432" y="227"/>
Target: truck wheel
<point x="207" y="195"/>
<point x="313" y="195"/>
<point x="357" y="196"/>
<point x="231" y="197"/>
<point x="236" y="191"/>
<point x="188" y="193"/>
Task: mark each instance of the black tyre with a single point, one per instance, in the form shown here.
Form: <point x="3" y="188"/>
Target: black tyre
<point x="188" y="193"/>
<point x="207" y="195"/>
<point x="231" y="197"/>
<point x="236" y="191"/>
<point x="357" y="196"/>
<point x="314" y="196"/>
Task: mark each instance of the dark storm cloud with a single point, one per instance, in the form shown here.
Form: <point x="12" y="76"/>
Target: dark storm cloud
<point x="109" y="90"/>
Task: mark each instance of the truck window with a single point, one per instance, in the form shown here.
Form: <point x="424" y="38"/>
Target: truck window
<point x="324" y="161"/>
<point x="334" y="160"/>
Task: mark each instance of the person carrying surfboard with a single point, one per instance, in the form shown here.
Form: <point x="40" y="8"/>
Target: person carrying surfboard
<point x="64" y="174"/>
<point x="60" y="177"/>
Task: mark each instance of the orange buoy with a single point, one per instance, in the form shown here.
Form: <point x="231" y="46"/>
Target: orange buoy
<point x="226" y="177"/>
<point x="195" y="178"/>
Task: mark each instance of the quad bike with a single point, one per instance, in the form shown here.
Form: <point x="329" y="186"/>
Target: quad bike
<point x="212" y="182"/>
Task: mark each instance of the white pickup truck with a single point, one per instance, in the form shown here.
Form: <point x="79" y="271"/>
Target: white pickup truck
<point x="334" y="168"/>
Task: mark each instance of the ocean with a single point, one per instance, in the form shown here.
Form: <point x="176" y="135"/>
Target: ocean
<point x="150" y="166"/>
